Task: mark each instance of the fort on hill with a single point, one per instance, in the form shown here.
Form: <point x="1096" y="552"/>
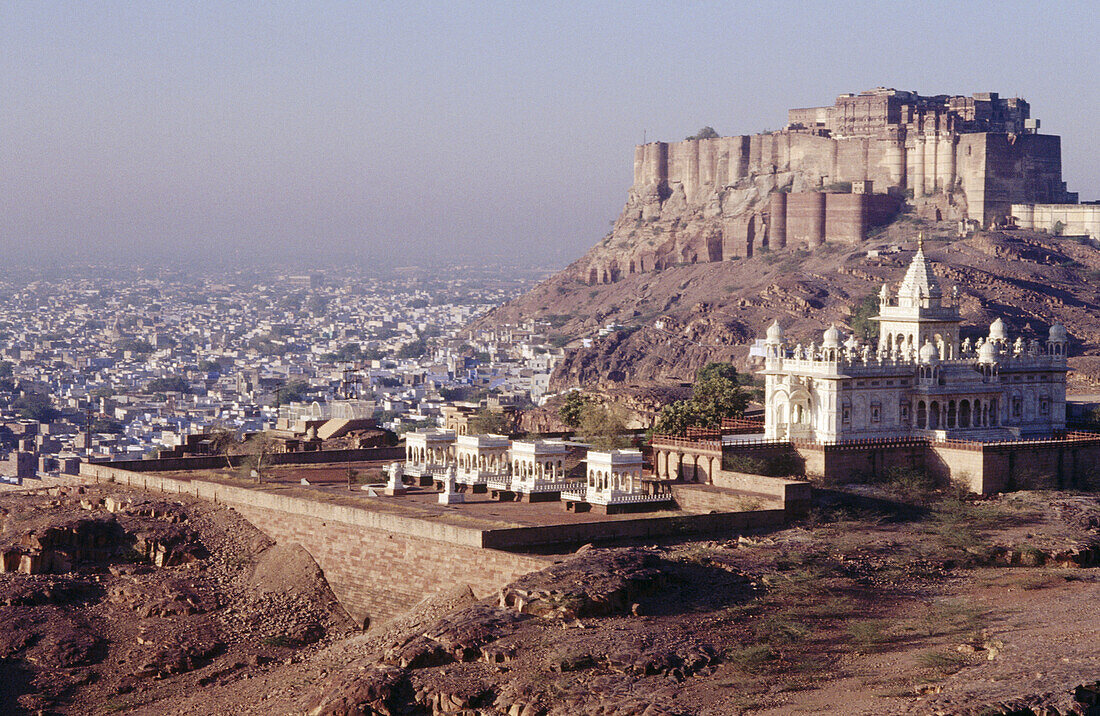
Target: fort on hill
<point x="832" y="175"/>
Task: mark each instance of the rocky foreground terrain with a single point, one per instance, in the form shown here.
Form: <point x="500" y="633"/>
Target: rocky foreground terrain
<point x="682" y="317"/>
<point x="871" y="606"/>
<point x="135" y="599"/>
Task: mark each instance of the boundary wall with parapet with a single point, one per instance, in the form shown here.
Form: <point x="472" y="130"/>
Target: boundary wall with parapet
<point x="1067" y="461"/>
<point x="378" y="565"/>
<point x="987" y="468"/>
<point x="215" y="462"/>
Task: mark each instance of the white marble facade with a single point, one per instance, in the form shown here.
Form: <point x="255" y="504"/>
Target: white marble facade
<point x="918" y="379"/>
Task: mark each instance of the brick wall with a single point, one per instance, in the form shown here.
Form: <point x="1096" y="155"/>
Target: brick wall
<point x="707" y="498"/>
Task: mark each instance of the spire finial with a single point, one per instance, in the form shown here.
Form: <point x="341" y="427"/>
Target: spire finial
<point x="920" y="241"/>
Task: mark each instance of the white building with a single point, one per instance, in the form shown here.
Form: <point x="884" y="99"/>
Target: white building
<point x="538" y="469"/>
<point x="428" y="453"/>
<point x="480" y="458"/>
<point x="614" y="484"/>
<point x="918" y="380"/>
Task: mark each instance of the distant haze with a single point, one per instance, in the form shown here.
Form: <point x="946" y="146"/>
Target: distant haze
<point x="397" y="132"/>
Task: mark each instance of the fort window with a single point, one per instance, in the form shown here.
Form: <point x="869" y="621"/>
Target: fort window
<point x="876" y="412"/>
<point x="952" y="414"/>
<point x="1044" y="407"/>
<point x="922" y="415"/>
<point x="1017" y="407"/>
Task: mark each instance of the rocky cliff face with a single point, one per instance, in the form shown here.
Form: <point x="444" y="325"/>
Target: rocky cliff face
<point x="721" y="235"/>
<point x="683" y="316"/>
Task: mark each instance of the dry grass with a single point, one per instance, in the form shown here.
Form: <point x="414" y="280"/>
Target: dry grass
<point x="943" y="663"/>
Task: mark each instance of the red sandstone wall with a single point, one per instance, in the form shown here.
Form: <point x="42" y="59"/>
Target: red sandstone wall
<point x="378" y="565"/>
<point x="806" y="219"/>
<point x="845" y="217"/>
<point x="777" y="203"/>
<point x="1025" y="169"/>
<point x="378" y="574"/>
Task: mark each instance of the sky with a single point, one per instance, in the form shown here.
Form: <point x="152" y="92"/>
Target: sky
<point x="402" y="133"/>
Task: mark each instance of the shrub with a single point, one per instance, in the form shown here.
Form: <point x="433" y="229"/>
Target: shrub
<point x="867" y="634"/>
<point x="704" y="133"/>
<point x="751" y="658"/>
<point x="942" y="662"/>
<point x="910" y="483"/>
<point x="861" y="313"/>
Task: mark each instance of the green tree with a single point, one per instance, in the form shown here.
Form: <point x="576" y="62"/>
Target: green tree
<point x="35" y="406"/>
<point x="349" y="352"/>
<point x="413" y="349"/>
<point x="489" y="421"/>
<point x="572" y="410"/>
<point x="716" y="395"/>
<point x="603" y="426"/>
<point x="717" y="370"/>
<point x="317" y="304"/>
<point x="558" y="340"/>
<point x="258" y="448"/>
<point x="716" y="398"/>
<point x="676" y="418"/>
<point x="165" y="385"/>
<point x="134" y="345"/>
<point x="704" y="133"/>
<point x="862" y="313"/>
<point x="294" y="392"/>
<point x="222" y="440"/>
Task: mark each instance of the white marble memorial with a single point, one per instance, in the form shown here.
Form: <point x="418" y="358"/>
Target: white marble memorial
<point x="918" y="379"/>
<point x="450" y="494"/>
<point x="396" y="485"/>
<point x="427" y="453"/>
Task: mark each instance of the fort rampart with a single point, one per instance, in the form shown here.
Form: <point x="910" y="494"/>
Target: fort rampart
<point x="721" y="198"/>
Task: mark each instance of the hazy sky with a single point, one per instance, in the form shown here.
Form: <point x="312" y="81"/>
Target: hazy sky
<point x="308" y="131"/>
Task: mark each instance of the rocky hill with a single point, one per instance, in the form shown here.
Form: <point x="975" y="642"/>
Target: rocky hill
<point x="144" y="605"/>
<point x="961" y="608"/>
<point x="676" y="319"/>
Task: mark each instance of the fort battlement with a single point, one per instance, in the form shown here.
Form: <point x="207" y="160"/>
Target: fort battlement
<point x="831" y="175"/>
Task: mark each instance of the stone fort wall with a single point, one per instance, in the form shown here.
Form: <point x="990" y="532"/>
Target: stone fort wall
<point x="707" y="200"/>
